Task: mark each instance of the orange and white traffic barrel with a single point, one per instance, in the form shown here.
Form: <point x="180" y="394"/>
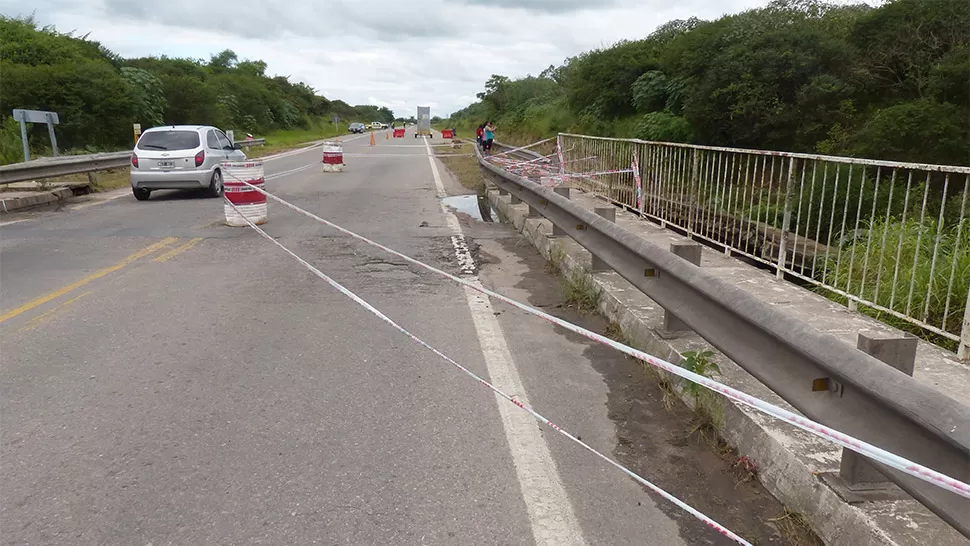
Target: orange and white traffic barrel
<point x="333" y="157"/>
<point x="249" y="202"/>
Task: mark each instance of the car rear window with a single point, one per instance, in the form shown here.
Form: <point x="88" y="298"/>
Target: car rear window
<point x="169" y="140"/>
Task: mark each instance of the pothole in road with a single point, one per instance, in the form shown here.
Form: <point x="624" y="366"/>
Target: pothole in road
<point x="476" y="206"/>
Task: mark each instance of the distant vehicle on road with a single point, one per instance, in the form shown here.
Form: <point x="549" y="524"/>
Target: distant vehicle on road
<point x="377" y="125"/>
<point x="357" y="127"/>
<point x="181" y="157"/>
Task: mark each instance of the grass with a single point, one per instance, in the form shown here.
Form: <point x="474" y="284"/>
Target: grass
<point x="464" y="168"/>
<point x="873" y="271"/>
<point x="795" y="529"/>
<point x="579" y="290"/>
<point x="285" y="140"/>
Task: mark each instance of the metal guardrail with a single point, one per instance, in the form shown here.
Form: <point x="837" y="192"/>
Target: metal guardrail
<point x="65" y="165"/>
<point x="890" y="236"/>
<point x="873" y="402"/>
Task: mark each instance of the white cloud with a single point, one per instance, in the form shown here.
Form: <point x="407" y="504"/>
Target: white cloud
<point x="393" y="53"/>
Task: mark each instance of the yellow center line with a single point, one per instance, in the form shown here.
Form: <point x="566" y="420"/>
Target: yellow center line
<point x="97" y="275"/>
<point x="176" y="251"/>
<point x="39" y="319"/>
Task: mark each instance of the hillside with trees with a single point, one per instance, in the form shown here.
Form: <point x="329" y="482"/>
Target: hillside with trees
<point x="888" y="82"/>
<point x="98" y="95"/>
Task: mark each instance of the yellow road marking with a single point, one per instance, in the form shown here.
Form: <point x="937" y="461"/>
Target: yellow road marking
<point x="58" y="293"/>
<point x="39" y="319"/>
<point x="176" y="251"/>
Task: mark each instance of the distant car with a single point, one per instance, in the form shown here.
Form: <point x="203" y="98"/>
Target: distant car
<point x="378" y="125"/>
<point x="357" y="127"/>
<point x="181" y="157"/>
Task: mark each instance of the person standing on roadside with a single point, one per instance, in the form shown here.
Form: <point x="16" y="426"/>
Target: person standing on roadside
<point x="480" y="136"/>
<point x="489" y="136"/>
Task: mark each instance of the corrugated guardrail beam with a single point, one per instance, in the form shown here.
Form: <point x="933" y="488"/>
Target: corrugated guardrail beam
<point x="875" y="403"/>
<point x="64" y="165"/>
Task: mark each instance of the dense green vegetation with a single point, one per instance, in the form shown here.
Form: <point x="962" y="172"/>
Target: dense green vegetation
<point x="98" y="95"/>
<point x="887" y="82"/>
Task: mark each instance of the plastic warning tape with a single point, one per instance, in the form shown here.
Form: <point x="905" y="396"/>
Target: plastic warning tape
<point x="360" y="301"/>
<point x="859" y="446"/>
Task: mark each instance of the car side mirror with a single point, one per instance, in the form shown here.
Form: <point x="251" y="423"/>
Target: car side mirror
<point x="236" y="146"/>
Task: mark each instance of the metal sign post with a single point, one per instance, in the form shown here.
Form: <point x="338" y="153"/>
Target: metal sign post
<point x="36" y="116"/>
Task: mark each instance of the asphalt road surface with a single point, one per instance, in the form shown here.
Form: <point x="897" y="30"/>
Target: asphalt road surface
<point x="167" y="379"/>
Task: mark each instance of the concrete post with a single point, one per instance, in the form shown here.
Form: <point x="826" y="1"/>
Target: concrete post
<point x="692" y="253"/>
<point x="610" y="214"/>
<point x="563" y="191"/>
<point x="900" y="353"/>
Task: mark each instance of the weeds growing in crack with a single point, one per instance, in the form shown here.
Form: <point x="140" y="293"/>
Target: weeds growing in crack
<point x="708" y="405"/>
<point x="579" y="290"/>
<point x="795" y="529"/>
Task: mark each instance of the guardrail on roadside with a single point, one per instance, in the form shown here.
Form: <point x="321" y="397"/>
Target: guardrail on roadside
<point x="872" y="401"/>
<point x="77" y="164"/>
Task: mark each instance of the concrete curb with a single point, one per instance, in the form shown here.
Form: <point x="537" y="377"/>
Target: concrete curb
<point x="785" y="470"/>
<point x="34" y="199"/>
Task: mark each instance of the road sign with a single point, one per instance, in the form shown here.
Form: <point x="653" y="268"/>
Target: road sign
<point x="336" y="119"/>
<point x="36" y="116"/>
<point x="136" y="128"/>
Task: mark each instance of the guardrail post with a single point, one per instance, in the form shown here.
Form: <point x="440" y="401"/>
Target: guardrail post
<point x="610" y="214"/>
<point x="23" y="137"/>
<point x="563" y="191"/>
<point x="691" y="252"/>
<point x="864" y="482"/>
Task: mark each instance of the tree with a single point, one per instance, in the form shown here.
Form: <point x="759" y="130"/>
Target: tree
<point x="148" y="94"/>
<point x="98" y="95"/>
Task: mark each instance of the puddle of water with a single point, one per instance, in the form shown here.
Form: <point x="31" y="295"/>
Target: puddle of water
<point x="475" y="206"/>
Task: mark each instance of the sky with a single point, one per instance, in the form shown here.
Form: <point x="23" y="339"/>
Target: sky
<point x="393" y="53"/>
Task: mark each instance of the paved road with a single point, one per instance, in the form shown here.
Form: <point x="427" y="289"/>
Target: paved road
<point x="167" y="379"/>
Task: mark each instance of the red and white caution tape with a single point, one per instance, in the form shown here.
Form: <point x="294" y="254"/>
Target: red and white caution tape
<point x="859" y="446"/>
<point x="520" y="148"/>
<point x="360" y="301"/>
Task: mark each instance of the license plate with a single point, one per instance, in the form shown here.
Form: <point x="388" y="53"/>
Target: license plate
<point x="166" y="164"/>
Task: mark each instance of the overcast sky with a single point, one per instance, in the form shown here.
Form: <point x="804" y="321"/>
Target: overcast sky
<point x="394" y="53"/>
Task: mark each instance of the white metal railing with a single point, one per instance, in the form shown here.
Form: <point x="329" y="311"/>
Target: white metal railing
<point x="892" y="237"/>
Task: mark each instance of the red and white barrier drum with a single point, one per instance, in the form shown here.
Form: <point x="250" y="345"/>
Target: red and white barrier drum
<point x="333" y="157"/>
<point x="249" y="202"/>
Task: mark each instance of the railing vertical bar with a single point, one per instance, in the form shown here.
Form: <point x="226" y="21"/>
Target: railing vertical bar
<point x="956" y="254"/>
<point x="885" y="233"/>
<point x="869" y="237"/>
<point x="919" y="245"/>
<point x="936" y="248"/>
<point x="899" y="244"/>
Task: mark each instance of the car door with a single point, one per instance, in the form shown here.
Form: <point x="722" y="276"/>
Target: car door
<point x="215" y="149"/>
<point x="232" y="154"/>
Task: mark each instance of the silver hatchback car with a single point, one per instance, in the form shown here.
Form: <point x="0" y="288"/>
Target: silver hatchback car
<point x="181" y="157"/>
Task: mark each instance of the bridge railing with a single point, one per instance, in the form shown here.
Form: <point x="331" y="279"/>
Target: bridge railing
<point x="889" y="237"/>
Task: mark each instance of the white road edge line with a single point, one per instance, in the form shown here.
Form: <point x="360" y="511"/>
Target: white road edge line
<point x="553" y="521"/>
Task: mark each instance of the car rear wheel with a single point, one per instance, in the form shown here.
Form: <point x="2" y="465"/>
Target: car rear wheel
<point x="215" y="185"/>
<point x="141" y="194"/>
